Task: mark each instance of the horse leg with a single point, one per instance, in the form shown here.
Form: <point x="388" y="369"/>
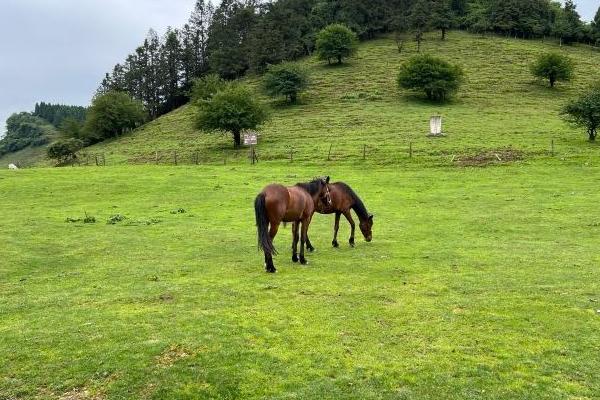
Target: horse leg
<point x="348" y="216"/>
<point x="303" y="238"/>
<point x="336" y="228"/>
<point x="296" y="237"/>
<point x="309" y="245"/>
<point x="269" y="258"/>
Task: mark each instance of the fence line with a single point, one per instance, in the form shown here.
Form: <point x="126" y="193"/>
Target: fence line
<point x="329" y="152"/>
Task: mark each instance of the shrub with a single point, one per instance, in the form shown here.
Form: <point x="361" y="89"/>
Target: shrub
<point x="336" y="42"/>
<point x="287" y="79"/>
<point x="553" y="67"/>
<point x="585" y="112"/>
<point x="437" y="78"/>
<point x="64" y="150"/>
<point x="233" y="110"/>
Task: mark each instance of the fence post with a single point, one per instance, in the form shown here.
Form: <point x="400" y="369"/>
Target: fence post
<point x="364" y="152"/>
<point x="156" y="157"/>
<point x="552" y="148"/>
<point x="175" y="157"/>
<point x="292" y="155"/>
<point x="103" y="160"/>
<point x="329" y="154"/>
<point x="96" y="157"/>
<point x="410" y="150"/>
<point x="196" y="161"/>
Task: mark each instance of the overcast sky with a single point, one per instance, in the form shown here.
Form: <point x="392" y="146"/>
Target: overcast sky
<point x="59" y="50"/>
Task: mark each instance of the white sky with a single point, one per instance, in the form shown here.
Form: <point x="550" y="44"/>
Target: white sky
<point x="59" y="50"/>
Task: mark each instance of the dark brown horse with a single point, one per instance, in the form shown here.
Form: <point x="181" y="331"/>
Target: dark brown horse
<point x="344" y="199"/>
<point x="296" y="204"/>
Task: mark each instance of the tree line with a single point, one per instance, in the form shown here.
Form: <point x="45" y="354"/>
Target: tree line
<point x="240" y="36"/>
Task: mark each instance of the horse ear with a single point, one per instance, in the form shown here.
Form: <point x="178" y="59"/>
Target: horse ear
<point x="371" y="217"/>
<point x="327" y="180"/>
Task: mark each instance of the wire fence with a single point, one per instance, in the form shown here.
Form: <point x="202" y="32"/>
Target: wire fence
<point x="383" y="154"/>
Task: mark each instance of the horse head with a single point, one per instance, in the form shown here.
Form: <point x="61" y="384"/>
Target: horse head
<point x="366" y="227"/>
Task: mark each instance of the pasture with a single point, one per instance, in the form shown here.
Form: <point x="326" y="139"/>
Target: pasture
<point x="480" y="283"/>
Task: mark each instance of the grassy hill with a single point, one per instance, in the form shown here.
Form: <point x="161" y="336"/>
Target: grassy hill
<point x="501" y="105"/>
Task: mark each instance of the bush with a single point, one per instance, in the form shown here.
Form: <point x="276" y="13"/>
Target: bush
<point x="553" y="67"/>
<point x="64" y="150"/>
<point x="434" y="76"/>
<point x="585" y="112"/>
<point x="287" y="79"/>
<point x="113" y="114"/>
<point x="233" y="110"/>
<point x="336" y="42"/>
<point x="206" y="87"/>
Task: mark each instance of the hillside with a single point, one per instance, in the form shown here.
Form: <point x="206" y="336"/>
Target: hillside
<point x="500" y="106"/>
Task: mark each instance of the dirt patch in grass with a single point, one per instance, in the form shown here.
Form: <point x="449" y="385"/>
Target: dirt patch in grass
<point x="81" y="394"/>
<point x="173" y="354"/>
<point x="500" y="156"/>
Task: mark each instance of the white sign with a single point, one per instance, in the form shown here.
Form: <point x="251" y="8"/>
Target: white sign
<point x="250" y="139"/>
<point x="12" y="166"/>
<point x="435" y="125"/>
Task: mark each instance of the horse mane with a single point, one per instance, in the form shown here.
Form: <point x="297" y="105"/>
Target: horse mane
<point x="313" y="187"/>
<point x="358" y="205"/>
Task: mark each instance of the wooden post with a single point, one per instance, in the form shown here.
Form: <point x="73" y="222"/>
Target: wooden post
<point x="292" y="155"/>
<point x="196" y="161"/>
<point x="103" y="160"/>
<point x="552" y="148"/>
<point x="175" y="157"/>
<point x="329" y="154"/>
<point x="410" y="150"/>
<point x="156" y="157"/>
<point x="96" y="156"/>
<point x="364" y="152"/>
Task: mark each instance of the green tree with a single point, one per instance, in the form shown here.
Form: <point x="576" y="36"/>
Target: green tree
<point x="434" y="76"/>
<point x="585" y="112"/>
<point x="553" y="67"/>
<point x="596" y="27"/>
<point x="206" y="87"/>
<point x="113" y="114"/>
<point x="420" y="20"/>
<point x="64" y="150"/>
<point x="287" y="79"/>
<point x="443" y="17"/>
<point x="336" y="42"/>
<point x="233" y="110"/>
<point x="72" y="128"/>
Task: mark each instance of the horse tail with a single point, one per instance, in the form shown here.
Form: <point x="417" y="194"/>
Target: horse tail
<point x="265" y="242"/>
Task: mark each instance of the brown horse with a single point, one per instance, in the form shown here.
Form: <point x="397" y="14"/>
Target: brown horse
<point x="344" y="199"/>
<point x="296" y="204"/>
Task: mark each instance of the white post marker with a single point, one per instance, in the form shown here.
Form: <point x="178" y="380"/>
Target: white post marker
<point x="13" y="167"/>
<point x="251" y="139"/>
<point x="435" y="126"/>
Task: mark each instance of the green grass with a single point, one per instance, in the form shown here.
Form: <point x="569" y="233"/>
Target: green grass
<point x="480" y="284"/>
<point x="501" y="105"/>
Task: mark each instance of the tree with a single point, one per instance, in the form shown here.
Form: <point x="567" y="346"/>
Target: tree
<point x="287" y="79"/>
<point x="420" y="20"/>
<point x="596" y="27"/>
<point x="233" y="110"/>
<point x="553" y="67"/>
<point x="336" y="42"/>
<point x="72" y="128"/>
<point x="113" y="114"/>
<point x="206" y="87"/>
<point x="434" y="76"/>
<point x="585" y="112"/>
<point x="64" y="150"/>
<point x="443" y="18"/>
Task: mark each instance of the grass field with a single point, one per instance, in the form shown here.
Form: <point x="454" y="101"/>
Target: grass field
<point x="501" y="105"/>
<point x="481" y="283"/>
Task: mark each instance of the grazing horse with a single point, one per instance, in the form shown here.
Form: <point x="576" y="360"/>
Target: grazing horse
<point x="344" y="199"/>
<point x="296" y="204"/>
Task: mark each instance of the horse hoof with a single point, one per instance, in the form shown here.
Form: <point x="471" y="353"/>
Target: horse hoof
<point x="352" y="243"/>
<point x="303" y="261"/>
<point x="311" y="249"/>
<point x="295" y="258"/>
<point x="335" y="244"/>
<point x="271" y="270"/>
